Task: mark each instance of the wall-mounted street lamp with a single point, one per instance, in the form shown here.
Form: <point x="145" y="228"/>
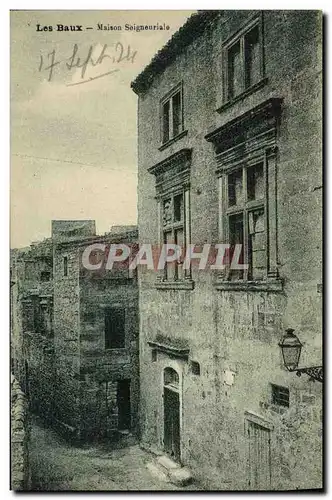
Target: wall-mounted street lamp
<point x="291" y="348"/>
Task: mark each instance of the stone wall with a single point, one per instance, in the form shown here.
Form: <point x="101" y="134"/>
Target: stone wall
<point x="17" y="340"/>
<point x="20" y="435"/>
<point x="234" y="334"/>
<point x="41" y="382"/>
<point x="100" y="366"/>
<point x="66" y="340"/>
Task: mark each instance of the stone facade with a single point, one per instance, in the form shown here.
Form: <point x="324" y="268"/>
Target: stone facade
<point x="230" y="420"/>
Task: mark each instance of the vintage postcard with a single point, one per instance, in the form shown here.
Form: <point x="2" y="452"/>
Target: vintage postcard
<point x="166" y="250"/>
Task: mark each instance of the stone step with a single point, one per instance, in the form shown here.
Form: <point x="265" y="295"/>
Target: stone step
<point x="180" y="477"/>
<point x="167" y="463"/>
<point x="157" y="471"/>
<point x="166" y="469"/>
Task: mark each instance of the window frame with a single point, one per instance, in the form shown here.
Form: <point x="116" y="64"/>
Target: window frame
<point x="250" y="136"/>
<point x="172" y="228"/>
<point x="245" y="208"/>
<point x="65" y="262"/>
<point x="277" y="396"/>
<point x="239" y="37"/>
<point x="172" y="176"/>
<point x="184" y="224"/>
<point x="178" y="89"/>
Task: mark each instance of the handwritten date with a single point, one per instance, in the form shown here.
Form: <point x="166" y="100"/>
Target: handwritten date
<point x="120" y="54"/>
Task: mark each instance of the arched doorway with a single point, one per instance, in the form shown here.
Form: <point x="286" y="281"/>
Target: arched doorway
<point x="172" y="414"/>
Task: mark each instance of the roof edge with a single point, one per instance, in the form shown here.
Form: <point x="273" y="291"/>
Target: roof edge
<point x="193" y="28"/>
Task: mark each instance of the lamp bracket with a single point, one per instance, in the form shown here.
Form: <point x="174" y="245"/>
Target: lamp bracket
<point x="314" y="372"/>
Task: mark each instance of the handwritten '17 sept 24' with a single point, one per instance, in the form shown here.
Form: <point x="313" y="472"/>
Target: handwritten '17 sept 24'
<point x="120" y="54"/>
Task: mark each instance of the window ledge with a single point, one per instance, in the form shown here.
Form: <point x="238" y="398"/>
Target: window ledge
<point x="275" y="285"/>
<point x="175" y="285"/>
<point x="243" y="95"/>
<point x="174" y="139"/>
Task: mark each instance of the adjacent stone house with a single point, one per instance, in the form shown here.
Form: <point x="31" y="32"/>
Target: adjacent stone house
<point x="230" y="151"/>
<point x="95" y="338"/>
<point x="74" y="333"/>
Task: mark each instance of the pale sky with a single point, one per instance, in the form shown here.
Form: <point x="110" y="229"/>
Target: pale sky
<point x="73" y="147"/>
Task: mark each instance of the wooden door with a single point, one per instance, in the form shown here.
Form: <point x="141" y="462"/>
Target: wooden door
<point x="172" y="423"/>
<point x="259" y="459"/>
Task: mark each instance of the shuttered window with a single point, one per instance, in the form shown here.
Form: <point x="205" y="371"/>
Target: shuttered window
<point x="280" y="395"/>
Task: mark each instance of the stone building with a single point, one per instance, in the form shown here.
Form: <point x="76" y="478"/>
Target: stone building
<point x="74" y="333"/>
<point x="31" y="314"/>
<point x="32" y="323"/>
<point x="95" y="336"/>
<point x="230" y="151"/>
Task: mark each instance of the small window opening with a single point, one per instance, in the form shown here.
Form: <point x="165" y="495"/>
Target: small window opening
<point x="280" y="395"/>
<point x="195" y="368"/>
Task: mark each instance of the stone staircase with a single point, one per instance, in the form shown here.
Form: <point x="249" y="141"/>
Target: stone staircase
<point x="165" y="469"/>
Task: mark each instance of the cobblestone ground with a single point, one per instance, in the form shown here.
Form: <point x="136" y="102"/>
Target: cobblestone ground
<point x="59" y="466"/>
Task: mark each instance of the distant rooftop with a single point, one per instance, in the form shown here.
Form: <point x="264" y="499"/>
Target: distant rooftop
<point x="194" y="27"/>
<point x="74" y="232"/>
<point x="121" y="229"/>
<point x="72" y="229"/>
<point x="117" y="234"/>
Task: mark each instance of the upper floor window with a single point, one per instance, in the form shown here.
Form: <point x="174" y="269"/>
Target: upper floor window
<point x="172" y="115"/>
<point x="65" y="266"/>
<point x="33" y="317"/>
<point x="246" y="156"/>
<point x="173" y="209"/>
<point x="245" y="215"/>
<point x="173" y="232"/>
<point x="244" y="61"/>
<point x="114" y="328"/>
<point x="45" y="276"/>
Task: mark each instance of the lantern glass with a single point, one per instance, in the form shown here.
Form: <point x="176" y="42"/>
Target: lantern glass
<point x="291" y="350"/>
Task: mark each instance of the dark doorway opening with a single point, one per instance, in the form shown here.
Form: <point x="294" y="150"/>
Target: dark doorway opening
<point x="123" y="402"/>
<point x="172" y="414"/>
<point x="172" y="424"/>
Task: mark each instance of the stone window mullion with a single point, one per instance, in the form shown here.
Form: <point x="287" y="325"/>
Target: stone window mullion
<point x="271" y="230"/>
<point x="170" y="119"/>
<point x="187" y="235"/>
<point x="243" y="64"/>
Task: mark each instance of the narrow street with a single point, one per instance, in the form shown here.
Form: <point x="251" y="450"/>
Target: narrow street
<point x="59" y="466"/>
